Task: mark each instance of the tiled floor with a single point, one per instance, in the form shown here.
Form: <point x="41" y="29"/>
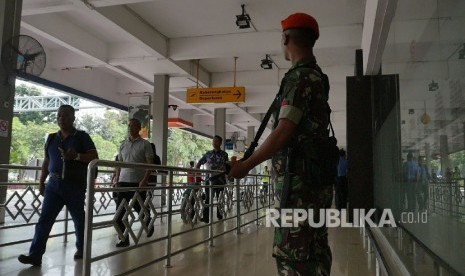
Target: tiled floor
<point x="246" y="254"/>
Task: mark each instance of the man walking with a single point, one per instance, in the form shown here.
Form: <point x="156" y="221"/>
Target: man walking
<point x="300" y="130"/>
<point x="67" y="154"/>
<point x="341" y="183"/>
<point x="134" y="149"/>
<point x="215" y="160"/>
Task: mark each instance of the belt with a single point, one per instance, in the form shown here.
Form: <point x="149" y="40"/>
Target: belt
<point x="55" y="175"/>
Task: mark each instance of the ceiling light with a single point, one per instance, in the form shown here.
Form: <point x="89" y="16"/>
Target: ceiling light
<point x="173" y="106"/>
<point x="243" y="20"/>
<point x="433" y="86"/>
<point x="267" y="63"/>
<point x="462" y="52"/>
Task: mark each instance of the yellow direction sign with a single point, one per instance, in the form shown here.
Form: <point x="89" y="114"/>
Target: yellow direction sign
<point x="216" y="95"/>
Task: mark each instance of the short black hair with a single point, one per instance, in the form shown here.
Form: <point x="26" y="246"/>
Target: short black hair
<point x="342" y="153"/>
<point x="219" y="138"/>
<point x="136" y="121"/>
<point x="69" y="107"/>
<point x="302" y="37"/>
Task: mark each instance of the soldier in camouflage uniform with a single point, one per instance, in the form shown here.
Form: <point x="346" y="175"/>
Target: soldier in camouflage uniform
<point x="299" y="126"/>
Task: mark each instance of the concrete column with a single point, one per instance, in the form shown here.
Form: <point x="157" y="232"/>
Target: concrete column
<point x="428" y="155"/>
<point x="376" y="26"/>
<point x="463" y="128"/>
<point x="160" y="125"/>
<point x="220" y="124"/>
<point x="250" y="134"/>
<point x="160" y="115"/>
<point x="444" y="151"/>
<point x="10" y="19"/>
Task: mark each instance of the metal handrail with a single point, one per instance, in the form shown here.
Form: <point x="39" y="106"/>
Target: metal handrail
<point x="101" y="216"/>
<point x="170" y="187"/>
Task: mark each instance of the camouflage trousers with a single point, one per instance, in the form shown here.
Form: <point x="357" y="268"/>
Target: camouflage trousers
<point x="307" y="268"/>
<point x="304" y="250"/>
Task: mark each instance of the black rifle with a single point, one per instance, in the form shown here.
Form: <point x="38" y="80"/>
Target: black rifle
<point x="273" y="107"/>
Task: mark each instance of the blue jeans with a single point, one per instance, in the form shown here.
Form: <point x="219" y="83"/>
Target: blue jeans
<point x="57" y="194"/>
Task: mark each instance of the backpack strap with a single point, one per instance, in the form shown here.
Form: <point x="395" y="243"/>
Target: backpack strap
<point x="273" y="107"/>
<point x="50" y="137"/>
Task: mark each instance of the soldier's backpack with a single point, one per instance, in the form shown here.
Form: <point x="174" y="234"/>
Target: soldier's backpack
<point x="156" y="158"/>
<point x="328" y="150"/>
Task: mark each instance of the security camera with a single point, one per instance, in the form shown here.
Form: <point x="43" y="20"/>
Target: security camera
<point x="175" y="107"/>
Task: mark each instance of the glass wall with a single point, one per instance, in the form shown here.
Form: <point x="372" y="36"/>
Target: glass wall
<point x="420" y="174"/>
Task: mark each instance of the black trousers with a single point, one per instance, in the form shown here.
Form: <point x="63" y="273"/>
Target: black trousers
<point x="216" y="191"/>
<point x="341" y="192"/>
<point x="128" y="196"/>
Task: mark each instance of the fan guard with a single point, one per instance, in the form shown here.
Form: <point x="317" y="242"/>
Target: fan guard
<point x="23" y="53"/>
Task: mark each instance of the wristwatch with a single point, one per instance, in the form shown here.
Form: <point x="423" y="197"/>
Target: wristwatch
<point x="78" y="157"/>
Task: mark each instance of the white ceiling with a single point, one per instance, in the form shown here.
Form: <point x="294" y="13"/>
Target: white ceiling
<point x="127" y="42"/>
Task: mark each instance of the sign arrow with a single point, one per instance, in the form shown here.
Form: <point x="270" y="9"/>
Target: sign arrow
<point x="238" y="94"/>
<point x="216" y="95"/>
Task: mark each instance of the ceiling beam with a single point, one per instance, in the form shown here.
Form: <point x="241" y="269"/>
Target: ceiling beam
<point x="33" y="8"/>
<point x="145" y="35"/>
<point x="219" y="46"/>
<point x="57" y="29"/>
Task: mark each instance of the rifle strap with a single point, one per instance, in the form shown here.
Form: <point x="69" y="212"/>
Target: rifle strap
<point x="273" y="107"/>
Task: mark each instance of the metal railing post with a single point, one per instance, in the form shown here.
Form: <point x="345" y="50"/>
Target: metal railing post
<point x="89" y="218"/>
<point x="450" y="198"/>
<point x="170" y="211"/>
<point x="210" y="214"/>
<point x="238" y="206"/>
<point x="65" y="237"/>
<point x="257" y="198"/>
<point x="432" y="203"/>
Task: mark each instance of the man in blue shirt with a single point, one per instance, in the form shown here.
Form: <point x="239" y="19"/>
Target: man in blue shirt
<point x="67" y="154"/>
<point x="411" y="177"/>
<point x="215" y="160"/>
<point x="341" y="184"/>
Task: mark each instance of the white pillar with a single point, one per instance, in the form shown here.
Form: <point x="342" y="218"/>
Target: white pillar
<point x="444" y="151"/>
<point x="250" y="134"/>
<point x="220" y="124"/>
<point x="376" y="25"/>
<point x="160" y="125"/>
<point x="160" y="101"/>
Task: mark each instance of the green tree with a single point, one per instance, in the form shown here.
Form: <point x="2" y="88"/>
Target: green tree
<point x="37" y="117"/>
<point x="115" y="126"/>
<point x="19" y="149"/>
<point x="89" y="123"/>
<point x="112" y="126"/>
<point x="106" y="149"/>
<point x="28" y="140"/>
<point x="185" y="146"/>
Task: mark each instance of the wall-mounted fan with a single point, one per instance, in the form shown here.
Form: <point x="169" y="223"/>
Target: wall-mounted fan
<point x="24" y="54"/>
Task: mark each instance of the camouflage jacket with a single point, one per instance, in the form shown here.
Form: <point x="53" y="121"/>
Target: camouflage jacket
<point x="304" y="102"/>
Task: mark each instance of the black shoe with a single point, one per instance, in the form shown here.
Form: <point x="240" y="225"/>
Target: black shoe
<point x="205" y="220"/>
<point x="123" y="243"/>
<point x="150" y="233"/>
<point x="219" y="217"/>
<point x="25" y="259"/>
<point x="78" y="255"/>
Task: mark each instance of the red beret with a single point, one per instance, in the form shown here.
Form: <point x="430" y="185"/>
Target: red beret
<point x="301" y="20"/>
